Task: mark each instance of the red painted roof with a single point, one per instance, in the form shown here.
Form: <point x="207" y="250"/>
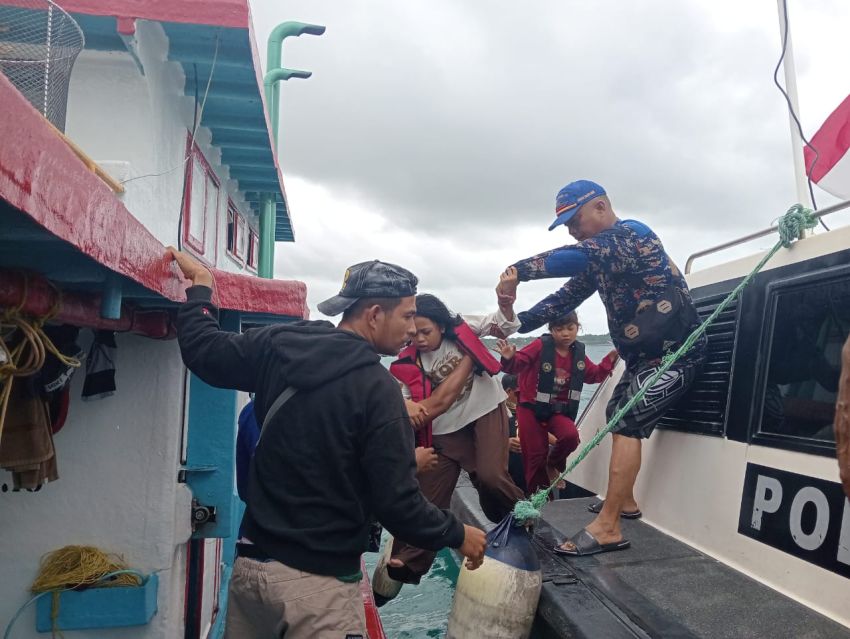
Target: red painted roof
<point x="42" y="177"/>
<point x="219" y="13"/>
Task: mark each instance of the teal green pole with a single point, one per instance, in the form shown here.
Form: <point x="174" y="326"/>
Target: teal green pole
<point x="270" y="86"/>
<point x="274" y="59"/>
<point x="274" y="74"/>
<point x="268" y="206"/>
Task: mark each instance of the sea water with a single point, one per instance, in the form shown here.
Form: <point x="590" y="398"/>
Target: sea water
<point x="422" y="611"/>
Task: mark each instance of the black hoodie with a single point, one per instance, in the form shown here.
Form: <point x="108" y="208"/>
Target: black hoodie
<point x="337" y="454"/>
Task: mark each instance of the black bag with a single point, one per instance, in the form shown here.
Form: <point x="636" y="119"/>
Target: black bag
<point x="658" y="325"/>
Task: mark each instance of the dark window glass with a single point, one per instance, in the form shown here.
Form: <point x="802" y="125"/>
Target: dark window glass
<point x="231" y="230"/>
<point x="253" y="250"/>
<point x="810" y="325"/>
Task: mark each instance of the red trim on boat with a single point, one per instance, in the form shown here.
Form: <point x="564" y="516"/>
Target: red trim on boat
<point x="218" y="13"/>
<point x="126" y="26"/>
<point x="41" y="176"/>
<point x="78" y="309"/>
<point x="374" y="628"/>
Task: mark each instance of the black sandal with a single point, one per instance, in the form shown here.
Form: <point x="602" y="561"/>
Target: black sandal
<point x="586" y="544"/>
<point x="596" y="507"/>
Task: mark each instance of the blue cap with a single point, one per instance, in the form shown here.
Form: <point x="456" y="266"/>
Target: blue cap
<point x="571" y="197"/>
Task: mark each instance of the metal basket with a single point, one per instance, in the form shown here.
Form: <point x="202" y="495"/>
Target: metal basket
<point x="39" y="43"/>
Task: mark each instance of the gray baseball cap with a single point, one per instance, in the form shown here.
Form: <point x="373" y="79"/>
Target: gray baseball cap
<point x="370" y="279"/>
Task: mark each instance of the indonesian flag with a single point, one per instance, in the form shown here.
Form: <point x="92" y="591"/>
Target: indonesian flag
<point x="831" y="172"/>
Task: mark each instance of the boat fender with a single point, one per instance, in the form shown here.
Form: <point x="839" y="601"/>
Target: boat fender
<point x="499" y="599"/>
<point x="384" y="587"/>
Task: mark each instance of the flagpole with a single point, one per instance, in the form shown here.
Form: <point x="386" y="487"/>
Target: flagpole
<point x="800" y="179"/>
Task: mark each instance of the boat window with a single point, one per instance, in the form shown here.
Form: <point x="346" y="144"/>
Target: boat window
<point x="195" y="220"/>
<point x="703" y="408"/>
<point x="237" y="234"/>
<point x="201" y="208"/>
<point x="810" y="322"/>
<point x="211" y="212"/>
<point x="253" y="250"/>
<point x="231" y="228"/>
<point x="242" y="238"/>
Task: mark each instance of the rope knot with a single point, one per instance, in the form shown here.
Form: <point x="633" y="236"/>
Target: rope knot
<point x="796" y="220"/>
<point x="529" y="509"/>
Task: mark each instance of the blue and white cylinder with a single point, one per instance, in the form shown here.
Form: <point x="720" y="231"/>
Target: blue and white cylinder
<point x="499" y="599"/>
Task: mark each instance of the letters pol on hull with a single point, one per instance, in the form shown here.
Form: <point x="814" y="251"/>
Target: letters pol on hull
<point x="800" y="515"/>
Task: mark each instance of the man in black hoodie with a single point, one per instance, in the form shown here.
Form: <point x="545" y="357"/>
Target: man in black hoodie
<point x="339" y="453"/>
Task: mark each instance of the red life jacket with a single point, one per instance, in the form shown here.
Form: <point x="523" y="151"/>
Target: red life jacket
<point x="409" y="371"/>
<point x="474" y="347"/>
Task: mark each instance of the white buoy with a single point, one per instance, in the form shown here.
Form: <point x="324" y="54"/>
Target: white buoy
<point x="499" y="599"/>
<point x="384" y="587"/>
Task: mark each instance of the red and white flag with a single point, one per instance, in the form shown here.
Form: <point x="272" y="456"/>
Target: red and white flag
<point x="831" y="171"/>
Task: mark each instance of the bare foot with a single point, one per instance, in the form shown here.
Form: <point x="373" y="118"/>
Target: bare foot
<point x="607" y="537"/>
<point x="604" y="534"/>
<point x="395" y="563"/>
<point x="590" y="545"/>
<point x="567" y="545"/>
<point x="629" y="506"/>
<point x="553" y="472"/>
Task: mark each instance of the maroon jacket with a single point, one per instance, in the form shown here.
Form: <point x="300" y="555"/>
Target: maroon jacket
<point x="526" y="365"/>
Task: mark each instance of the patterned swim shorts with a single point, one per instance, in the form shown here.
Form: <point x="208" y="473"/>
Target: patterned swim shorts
<point x="642" y="418"/>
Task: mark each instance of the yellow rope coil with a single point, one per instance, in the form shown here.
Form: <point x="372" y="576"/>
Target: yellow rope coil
<point x="27" y="356"/>
<point x="75" y="566"/>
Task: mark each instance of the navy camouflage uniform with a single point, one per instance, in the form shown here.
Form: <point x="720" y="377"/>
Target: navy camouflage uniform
<point x="627" y="266"/>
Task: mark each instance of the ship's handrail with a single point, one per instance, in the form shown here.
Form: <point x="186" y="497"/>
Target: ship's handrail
<point x="754" y="236"/>
<point x="592" y="400"/>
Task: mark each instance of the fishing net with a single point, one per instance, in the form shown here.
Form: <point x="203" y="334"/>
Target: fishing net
<point x="39" y="43"/>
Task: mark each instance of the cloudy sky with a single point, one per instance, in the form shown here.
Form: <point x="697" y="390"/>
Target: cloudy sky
<point x="436" y="133"/>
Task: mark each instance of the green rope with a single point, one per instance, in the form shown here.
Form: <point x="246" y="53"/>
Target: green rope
<point x="790" y="227"/>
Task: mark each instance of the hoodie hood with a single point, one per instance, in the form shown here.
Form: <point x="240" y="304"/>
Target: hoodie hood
<point x="310" y="354"/>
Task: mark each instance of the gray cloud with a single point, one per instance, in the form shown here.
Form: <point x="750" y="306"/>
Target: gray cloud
<point x="458" y="122"/>
<point x="487" y="120"/>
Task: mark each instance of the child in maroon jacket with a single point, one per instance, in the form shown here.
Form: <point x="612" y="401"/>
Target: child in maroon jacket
<point x="551" y="371"/>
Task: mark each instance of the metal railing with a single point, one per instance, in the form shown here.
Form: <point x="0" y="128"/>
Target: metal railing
<point x="754" y="236"/>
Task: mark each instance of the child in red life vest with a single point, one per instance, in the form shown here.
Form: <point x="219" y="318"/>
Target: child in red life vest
<point x="551" y="370"/>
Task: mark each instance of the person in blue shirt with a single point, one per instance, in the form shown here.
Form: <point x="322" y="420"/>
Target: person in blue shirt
<point x="246" y="441"/>
<point x="650" y="313"/>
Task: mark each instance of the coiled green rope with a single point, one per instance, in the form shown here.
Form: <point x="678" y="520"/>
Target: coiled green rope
<point x="790" y="227"/>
